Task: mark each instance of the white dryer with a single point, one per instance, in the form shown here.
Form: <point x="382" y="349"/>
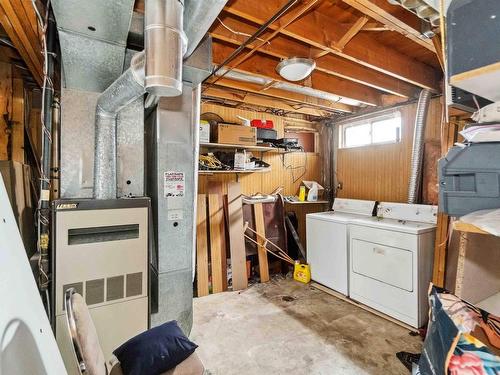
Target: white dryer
<point x="390" y="261"/>
<point x="328" y="241"/>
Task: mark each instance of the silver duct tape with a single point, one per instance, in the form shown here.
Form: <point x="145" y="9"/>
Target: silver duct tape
<point x="418" y="146"/>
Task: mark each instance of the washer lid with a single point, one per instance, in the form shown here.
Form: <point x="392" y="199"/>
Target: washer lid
<point x="334" y="216"/>
<point x="404" y="226"/>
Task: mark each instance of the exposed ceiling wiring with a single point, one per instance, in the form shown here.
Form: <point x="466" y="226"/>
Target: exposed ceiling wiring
<point x="239" y="32"/>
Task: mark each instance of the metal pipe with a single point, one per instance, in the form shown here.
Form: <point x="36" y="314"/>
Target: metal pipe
<point x="127" y="88"/>
<point x="263" y="81"/>
<point x="165" y="44"/>
<point x="55" y="171"/>
<point x="418" y="146"/>
<point x="198" y="17"/>
<point x="46" y="163"/>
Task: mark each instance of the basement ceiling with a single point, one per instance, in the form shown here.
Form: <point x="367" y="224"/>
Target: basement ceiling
<point x="368" y="51"/>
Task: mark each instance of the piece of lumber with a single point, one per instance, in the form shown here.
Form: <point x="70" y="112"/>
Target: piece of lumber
<point x="201" y="246"/>
<point x="462" y="251"/>
<point x="449" y="133"/>
<point x="261" y="249"/>
<point x="236" y="239"/>
<point x="216" y="218"/>
<point x="468" y="228"/>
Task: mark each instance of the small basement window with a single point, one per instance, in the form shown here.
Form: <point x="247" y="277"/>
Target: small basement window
<point x="376" y="130"/>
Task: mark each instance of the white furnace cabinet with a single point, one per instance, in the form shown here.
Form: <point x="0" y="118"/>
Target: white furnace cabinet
<point x="390" y="267"/>
<point x="101" y="250"/>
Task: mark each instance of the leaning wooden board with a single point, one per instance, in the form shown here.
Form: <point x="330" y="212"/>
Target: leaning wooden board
<point x="201" y="246"/>
<point x="217" y="255"/>
<point x="261" y="251"/>
<point x="236" y="239"/>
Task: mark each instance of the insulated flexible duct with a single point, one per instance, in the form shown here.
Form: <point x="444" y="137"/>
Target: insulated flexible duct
<point x="128" y="87"/>
<point x="418" y="146"/>
<point x="290" y="87"/>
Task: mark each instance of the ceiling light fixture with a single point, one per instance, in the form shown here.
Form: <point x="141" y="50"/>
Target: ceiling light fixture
<point x="295" y="68"/>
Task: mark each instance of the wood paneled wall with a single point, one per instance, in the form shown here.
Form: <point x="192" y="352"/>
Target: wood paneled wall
<point x="286" y="169"/>
<point x="381" y="172"/>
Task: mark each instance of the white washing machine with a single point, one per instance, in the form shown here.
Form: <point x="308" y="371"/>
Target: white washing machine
<point x="390" y="260"/>
<point x="328" y="241"/>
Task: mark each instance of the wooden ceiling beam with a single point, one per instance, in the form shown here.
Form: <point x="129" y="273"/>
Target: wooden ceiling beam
<point x="285" y="95"/>
<point x="265" y="66"/>
<point x="18" y="25"/>
<point x="351" y="33"/>
<point x="282" y="47"/>
<point x="395" y="17"/>
<point x="323" y="32"/>
<point x="262" y="101"/>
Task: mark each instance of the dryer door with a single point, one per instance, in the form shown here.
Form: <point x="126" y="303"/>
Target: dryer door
<point x="387" y="264"/>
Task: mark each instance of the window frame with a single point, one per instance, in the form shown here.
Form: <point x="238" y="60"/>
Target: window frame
<point x="370" y="120"/>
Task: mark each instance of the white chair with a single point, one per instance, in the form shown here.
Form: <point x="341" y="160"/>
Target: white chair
<point x="88" y="351"/>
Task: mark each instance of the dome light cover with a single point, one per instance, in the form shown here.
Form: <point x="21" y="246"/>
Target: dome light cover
<point x="295" y="68"/>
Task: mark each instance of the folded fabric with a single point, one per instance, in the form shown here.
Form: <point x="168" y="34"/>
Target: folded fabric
<point x="155" y="351"/>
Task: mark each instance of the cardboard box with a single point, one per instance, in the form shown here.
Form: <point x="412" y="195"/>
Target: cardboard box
<point x="235" y="134"/>
<point x="204" y="131"/>
<point x="309" y="185"/>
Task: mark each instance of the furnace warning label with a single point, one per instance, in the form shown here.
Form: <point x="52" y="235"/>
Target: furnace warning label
<point x="174" y="184"/>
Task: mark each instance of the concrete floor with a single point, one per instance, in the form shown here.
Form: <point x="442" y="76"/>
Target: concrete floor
<point x="263" y="331"/>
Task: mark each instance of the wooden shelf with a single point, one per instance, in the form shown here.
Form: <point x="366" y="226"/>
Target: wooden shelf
<point x="241" y="147"/>
<point x="264" y="170"/>
<point x="469" y="228"/>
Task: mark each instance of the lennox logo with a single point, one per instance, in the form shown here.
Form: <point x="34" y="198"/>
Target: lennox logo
<point x="67" y="206"/>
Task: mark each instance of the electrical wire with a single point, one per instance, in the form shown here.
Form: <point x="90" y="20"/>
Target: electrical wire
<point x="42" y="219"/>
<point x="239" y="32"/>
<point x="291" y="168"/>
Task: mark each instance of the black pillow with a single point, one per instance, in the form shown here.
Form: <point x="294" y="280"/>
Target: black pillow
<point x="155" y="351"/>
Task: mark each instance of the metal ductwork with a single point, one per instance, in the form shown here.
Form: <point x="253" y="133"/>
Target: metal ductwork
<point x="165" y="44"/>
<point x="418" y="146"/>
<point x="290" y="87"/>
<point x="199" y="16"/>
<point x="128" y="87"/>
<point x="157" y="70"/>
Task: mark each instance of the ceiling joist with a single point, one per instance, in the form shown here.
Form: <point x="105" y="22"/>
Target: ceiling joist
<point x="395" y="17"/>
<point x="282" y="47"/>
<point x="323" y="32"/>
<point x="265" y="66"/>
<point x="262" y="101"/>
